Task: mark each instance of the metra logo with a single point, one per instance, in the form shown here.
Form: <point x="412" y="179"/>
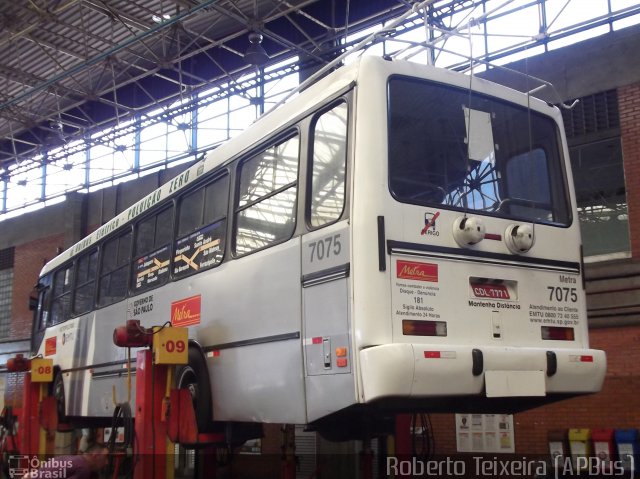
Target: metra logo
<point x="50" y="346"/>
<point x="186" y="312"/>
<point x="417" y="271"/>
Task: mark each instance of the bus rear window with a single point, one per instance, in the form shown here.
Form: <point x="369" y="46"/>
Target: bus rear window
<point x="465" y="152"/>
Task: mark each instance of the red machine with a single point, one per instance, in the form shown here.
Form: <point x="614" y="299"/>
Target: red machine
<point x="163" y="416"/>
<point x="37" y="418"/>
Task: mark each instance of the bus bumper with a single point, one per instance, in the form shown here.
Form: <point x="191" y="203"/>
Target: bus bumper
<point x="424" y="370"/>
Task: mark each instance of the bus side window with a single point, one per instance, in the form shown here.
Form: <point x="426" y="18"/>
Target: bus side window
<point x="44" y="304"/>
<point x="153" y="251"/>
<point x="61" y="300"/>
<point x="265" y="212"/>
<point x="201" y="228"/>
<point x="85" y="282"/>
<point x="116" y="255"/>
<point x="329" y="160"/>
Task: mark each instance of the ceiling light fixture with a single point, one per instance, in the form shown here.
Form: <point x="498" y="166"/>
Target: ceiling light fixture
<point x="160" y="19"/>
<point x="255" y="54"/>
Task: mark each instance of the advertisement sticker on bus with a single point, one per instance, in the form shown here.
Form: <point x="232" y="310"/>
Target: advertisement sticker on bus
<point x="417" y="271"/>
<point x="416" y="292"/>
<point x="186" y="312"/>
<point x="50" y="346"/>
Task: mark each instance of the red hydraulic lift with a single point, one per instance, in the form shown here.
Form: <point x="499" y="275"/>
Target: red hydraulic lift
<point x="402" y="446"/>
<point x="37" y="419"/>
<point x="163" y="416"/>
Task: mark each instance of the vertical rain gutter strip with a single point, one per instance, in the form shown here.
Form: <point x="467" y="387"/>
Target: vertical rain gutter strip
<point x="382" y="255"/>
<point x="582" y="271"/>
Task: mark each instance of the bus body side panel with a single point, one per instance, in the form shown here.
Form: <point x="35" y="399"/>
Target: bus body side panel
<point x="89" y="362"/>
<point x="249" y="315"/>
<point x="63" y="343"/>
<point x="329" y="372"/>
<point x="250" y="308"/>
<point x="109" y="368"/>
<point x="371" y="325"/>
<point x="256" y="300"/>
<point x="250" y="318"/>
<point x="76" y="384"/>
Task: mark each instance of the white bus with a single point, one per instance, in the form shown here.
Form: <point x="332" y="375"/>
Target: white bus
<point x="389" y="240"/>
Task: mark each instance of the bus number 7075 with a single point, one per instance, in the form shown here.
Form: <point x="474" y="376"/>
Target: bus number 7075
<point x="562" y="294"/>
<point x="325" y="248"/>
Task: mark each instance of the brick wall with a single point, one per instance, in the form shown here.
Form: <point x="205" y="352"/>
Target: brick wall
<point x="614" y="407"/>
<point x="29" y="259"/>
<point x="629" y="105"/>
<point x="13" y="390"/>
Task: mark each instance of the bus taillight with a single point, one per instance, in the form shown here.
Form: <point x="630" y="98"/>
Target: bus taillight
<point x="424" y="328"/>
<point x="557" y="333"/>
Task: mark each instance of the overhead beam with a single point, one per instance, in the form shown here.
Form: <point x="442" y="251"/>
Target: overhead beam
<point x="98" y="58"/>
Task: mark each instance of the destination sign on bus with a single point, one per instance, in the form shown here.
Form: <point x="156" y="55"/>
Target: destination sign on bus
<point x="199" y="250"/>
<point x="152" y="268"/>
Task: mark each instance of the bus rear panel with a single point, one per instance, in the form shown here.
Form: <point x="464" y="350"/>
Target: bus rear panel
<point x="467" y="267"/>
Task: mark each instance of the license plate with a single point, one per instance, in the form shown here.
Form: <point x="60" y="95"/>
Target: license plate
<point x="490" y="291"/>
<point x="514" y="383"/>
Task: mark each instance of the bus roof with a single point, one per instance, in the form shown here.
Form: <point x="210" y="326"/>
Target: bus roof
<point x="256" y="132"/>
<point x="305" y="101"/>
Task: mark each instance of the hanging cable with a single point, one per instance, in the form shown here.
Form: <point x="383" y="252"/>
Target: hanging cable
<point x="529" y="126"/>
<point x="346" y="21"/>
<point x="422" y="439"/>
<point x="467" y="166"/>
<point x="121" y="419"/>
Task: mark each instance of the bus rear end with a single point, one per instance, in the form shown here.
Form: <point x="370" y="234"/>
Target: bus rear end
<point x="466" y="266"/>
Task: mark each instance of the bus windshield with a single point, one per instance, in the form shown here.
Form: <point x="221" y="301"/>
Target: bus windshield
<point x="471" y="152"/>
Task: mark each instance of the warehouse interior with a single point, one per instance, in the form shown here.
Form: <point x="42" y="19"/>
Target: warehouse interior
<point x="104" y="101"/>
